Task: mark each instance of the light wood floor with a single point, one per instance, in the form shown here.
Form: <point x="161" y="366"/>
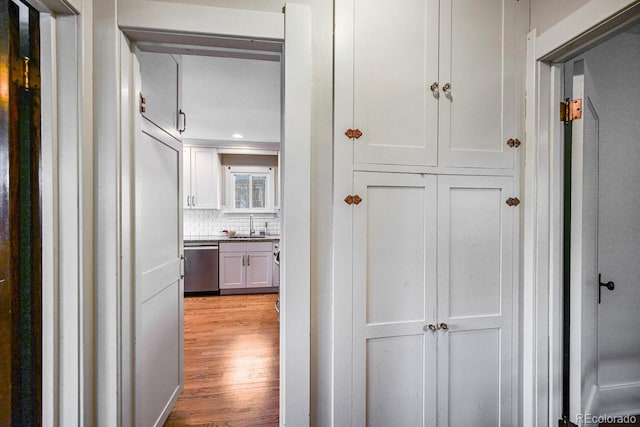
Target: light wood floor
<point x="231" y="362"/>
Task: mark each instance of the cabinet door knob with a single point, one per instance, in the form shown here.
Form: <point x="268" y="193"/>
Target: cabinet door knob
<point x="434" y="90"/>
<point x="446" y="88"/>
<point x="443" y="326"/>
<point x="430" y="327"/>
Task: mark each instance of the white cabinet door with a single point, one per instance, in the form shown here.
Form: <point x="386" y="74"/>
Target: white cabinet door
<point x="232" y="270"/>
<point x="386" y="59"/>
<point x="394" y="288"/>
<point x="205" y="178"/>
<point x="259" y="269"/>
<point x="478" y="52"/>
<point x="161" y="89"/>
<point x="475" y="289"/>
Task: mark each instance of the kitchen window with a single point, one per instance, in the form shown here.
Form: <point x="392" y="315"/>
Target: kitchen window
<point x="250" y="189"/>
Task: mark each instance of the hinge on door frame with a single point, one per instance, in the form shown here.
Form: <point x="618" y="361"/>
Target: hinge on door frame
<point x="143" y="103"/>
<point x="23" y="74"/>
<point x="570" y="110"/>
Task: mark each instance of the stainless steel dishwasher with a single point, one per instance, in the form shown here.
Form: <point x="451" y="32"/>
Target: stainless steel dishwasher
<point x="201" y="267"/>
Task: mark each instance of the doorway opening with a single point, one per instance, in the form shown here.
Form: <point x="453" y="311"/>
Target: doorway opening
<point x="225" y="106"/>
<point x="601" y="291"/>
<point x="20" y="216"/>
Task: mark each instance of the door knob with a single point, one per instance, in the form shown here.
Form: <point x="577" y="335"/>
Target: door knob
<point x="443" y="326"/>
<point x="430" y="327"/>
<point x="609" y="285"/>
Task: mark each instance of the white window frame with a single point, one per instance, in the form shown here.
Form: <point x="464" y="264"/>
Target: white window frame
<point x="230" y="171"/>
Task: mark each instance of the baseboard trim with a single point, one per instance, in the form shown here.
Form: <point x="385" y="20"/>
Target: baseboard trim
<point x="620" y="399"/>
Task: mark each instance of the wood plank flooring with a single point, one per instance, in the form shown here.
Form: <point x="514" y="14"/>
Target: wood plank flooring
<point x="231" y="362"/>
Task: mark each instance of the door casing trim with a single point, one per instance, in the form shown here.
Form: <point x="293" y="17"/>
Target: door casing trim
<point x="543" y="188"/>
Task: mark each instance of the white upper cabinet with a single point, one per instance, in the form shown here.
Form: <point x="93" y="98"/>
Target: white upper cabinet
<point x="161" y="89"/>
<point x="201" y="186"/>
<point x="386" y="54"/>
<point x="394" y="59"/>
<point x="427" y="82"/>
<point x="478" y="108"/>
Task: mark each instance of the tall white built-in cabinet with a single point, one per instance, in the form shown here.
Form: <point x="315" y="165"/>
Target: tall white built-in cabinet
<point x="428" y="102"/>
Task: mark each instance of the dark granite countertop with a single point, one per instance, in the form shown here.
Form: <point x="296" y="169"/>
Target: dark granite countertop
<point x="237" y="238"/>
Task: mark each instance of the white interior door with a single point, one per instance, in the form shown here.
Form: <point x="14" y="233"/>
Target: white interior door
<point x="394" y="300"/>
<point x="583" y="366"/>
<point x="619" y="227"/>
<point x="475" y="301"/>
<point x="158" y="285"/>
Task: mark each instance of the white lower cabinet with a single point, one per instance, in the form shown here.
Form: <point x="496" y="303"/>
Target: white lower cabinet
<point x="246" y="265"/>
<point x="432" y="301"/>
<point x="475" y="299"/>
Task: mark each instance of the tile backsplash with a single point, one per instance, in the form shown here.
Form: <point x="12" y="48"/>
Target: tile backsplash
<point x="204" y="222"/>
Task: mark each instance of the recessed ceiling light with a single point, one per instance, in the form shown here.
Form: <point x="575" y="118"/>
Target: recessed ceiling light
<point x="237" y="136"/>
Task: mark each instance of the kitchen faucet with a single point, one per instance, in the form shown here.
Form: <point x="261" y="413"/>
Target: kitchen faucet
<point x="252" y="230"/>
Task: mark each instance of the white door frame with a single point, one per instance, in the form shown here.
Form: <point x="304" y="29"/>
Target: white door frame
<point x="543" y="184"/>
<point x="66" y="199"/>
<point x="114" y="398"/>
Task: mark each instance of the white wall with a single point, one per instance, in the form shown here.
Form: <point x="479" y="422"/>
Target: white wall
<point x="615" y="68"/>
<point x="223" y="96"/>
<point x="547" y="13"/>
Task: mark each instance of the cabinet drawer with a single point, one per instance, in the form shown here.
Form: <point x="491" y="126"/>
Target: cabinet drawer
<point x="246" y="246"/>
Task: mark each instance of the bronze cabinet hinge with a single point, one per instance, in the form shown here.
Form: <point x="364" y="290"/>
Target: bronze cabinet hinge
<point x="570" y="110"/>
<point x="514" y="143"/>
<point x="353" y="133"/>
<point x="513" y="201"/>
<point x="353" y="200"/>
